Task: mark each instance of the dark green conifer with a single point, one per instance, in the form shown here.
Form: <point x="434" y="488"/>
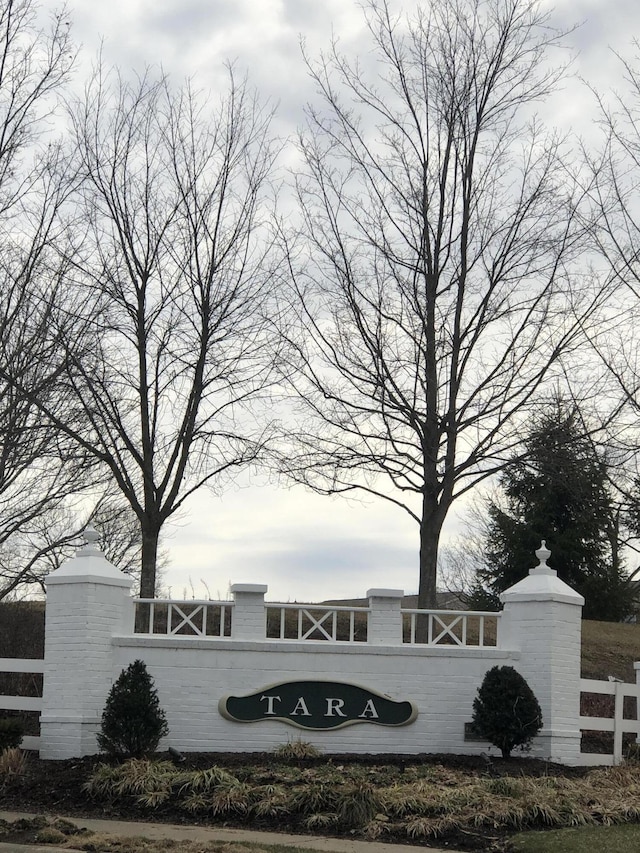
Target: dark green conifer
<point x="505" y="711"/>
<point x="133" y="721"/>
<point x="557" y="491"/>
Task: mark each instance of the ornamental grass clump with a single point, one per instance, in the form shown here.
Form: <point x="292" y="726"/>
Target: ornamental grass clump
<point x="133" y="721"/>
<point x="433" y="803"/>
<point x="505" y="711"/>
<point x="297" y="750"/>
<point x="13" y="765"/>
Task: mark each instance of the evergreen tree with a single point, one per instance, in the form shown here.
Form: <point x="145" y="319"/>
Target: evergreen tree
<point x="133" y="721"/>
<point x="558" y="491"/>
<point x="505" y="711"/>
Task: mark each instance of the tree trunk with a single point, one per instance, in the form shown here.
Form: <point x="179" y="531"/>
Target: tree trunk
<point x="150" y="536"/>
<point x="430" y="530"/>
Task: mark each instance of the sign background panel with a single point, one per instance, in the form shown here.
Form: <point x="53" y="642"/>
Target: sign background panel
<point x="318" y="705"/>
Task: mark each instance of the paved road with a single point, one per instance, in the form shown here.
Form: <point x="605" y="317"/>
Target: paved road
<point x="125" y="829"/>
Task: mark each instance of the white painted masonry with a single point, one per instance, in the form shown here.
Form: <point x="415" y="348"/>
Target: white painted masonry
<point x="542" y="618"/>
<point x="90" y="638"/>
<point x="87" y="604"/>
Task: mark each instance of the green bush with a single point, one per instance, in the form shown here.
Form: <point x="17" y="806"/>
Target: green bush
<point x="505" y="711"/>
<point x="11" y="732"/>
<point x="133" y="721"/>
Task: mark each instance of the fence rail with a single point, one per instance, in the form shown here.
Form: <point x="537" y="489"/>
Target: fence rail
<point x="28" y="665"/>
<point x="450" y="627"/>
<point x="183" y="618"/>
<point x="617" y="724"/>
<point x="22" y="703"/>
<point x="316" y="622"/>
<point x="321" y="623"/>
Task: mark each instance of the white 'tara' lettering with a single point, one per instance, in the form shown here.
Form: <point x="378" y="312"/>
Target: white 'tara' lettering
<point x="301" y="709"/>
<point x="369" y="711"/>
<point x="270" y="701"/>
<point x="334" y="708"/>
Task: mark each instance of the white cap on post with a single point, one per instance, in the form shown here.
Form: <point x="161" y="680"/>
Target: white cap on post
<point x="89" y="565"/>
<point x="542" y="584"/>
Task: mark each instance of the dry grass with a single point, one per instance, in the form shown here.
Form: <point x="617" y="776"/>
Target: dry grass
<point x="299" y="749"/>
<point x="422" y="803"/>
<point x="13" y="762"/>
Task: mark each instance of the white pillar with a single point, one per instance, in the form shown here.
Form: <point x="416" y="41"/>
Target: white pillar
<point x="542" y="619"/>
<point x="87" y="603"/>
<point x="385" y="618"/>
<point x="249" y="616"/>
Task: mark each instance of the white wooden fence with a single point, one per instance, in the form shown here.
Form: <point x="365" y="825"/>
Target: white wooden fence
<point x="22" y="703"/>
<point x="315" y="622"/>
<point x="616" y="724"/>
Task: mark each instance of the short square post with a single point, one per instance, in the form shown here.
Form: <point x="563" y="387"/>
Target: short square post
<point x="249" y="618"/>
<point x="385" y="617"/>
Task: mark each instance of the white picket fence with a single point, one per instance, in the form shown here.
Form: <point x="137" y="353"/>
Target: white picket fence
<point x="22" y="703"/>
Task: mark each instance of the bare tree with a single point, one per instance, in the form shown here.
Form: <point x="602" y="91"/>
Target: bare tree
<point x="613" y="176"/>
<point x="57" y="531"/>
<point x="432" y="282"/>
<point x="173" y="272"/>
<point x="39" y="470"/>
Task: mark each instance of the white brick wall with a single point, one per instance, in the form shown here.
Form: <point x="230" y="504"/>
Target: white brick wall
<point x="193" y="675"/>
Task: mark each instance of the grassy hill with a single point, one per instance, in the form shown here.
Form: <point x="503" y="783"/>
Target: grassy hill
<point x="610" y="648"/>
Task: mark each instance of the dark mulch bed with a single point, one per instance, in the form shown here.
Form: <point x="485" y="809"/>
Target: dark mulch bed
<point x="56" y="787"/>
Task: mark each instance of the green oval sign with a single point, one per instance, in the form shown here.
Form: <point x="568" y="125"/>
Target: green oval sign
<point x="317" y="705"/>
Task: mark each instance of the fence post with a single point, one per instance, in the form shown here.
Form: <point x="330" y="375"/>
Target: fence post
<point x="636" y="667"/>
<point x="87" y="602"/>
<point x="249" y="616"/>
<point x="385" y="617"/>
<point x="543" y="622"/>
<point x="618" y="724"/>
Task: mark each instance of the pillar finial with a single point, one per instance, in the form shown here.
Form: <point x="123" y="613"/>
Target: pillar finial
<point x="543" y="554"/>
<point x="91" y="546"/>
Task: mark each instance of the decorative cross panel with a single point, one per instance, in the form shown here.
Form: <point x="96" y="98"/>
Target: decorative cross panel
<point x="317" y="624"/>
<point x="187" y="619"/>
<point x="447" y="629"/>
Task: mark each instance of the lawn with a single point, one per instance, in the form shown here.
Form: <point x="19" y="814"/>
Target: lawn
<point x="600" y="839"/>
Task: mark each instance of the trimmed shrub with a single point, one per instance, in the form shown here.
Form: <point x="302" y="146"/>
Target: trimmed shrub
<point x="505" y="711"/>
<point x="133" y="721"/>
<point x="11" y="732"/>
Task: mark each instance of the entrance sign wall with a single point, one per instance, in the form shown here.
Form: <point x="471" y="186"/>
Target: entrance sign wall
<point x="207" y="682"/>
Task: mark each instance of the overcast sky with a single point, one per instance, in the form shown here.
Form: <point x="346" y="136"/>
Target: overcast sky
<point x="304" y="547"/>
